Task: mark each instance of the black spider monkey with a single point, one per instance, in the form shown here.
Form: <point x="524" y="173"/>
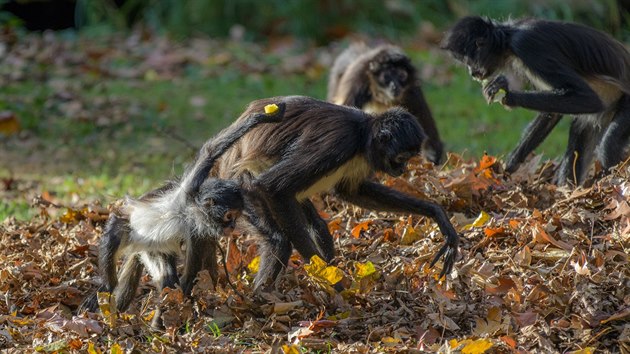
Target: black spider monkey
<point x="149" y="230"/>
<point x="318" y="147"/>
<point x="376" y="79"/>
<point x="575" y="70"/>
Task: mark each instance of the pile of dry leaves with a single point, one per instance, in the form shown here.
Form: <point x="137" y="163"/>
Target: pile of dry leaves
<point x="542" y="269"/>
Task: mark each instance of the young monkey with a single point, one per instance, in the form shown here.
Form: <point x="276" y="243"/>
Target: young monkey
<point x="149" y="230"/>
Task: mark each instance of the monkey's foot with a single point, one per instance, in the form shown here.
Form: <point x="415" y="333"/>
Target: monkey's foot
<point x="449" y="251"/>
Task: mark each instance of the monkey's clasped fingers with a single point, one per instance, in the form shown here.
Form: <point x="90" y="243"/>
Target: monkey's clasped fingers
<point x="495" y="90"/>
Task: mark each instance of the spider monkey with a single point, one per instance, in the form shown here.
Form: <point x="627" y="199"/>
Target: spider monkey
<point x="321" y="146"/>
<point x="573" y="69"/>
<point x="375" y="79"/>
<point x="149" y="230"/>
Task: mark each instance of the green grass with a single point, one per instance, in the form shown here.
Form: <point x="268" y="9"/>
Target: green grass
<point x="128" y="138"/>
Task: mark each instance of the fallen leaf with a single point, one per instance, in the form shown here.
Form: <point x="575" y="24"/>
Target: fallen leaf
<point x="360" y="227"/>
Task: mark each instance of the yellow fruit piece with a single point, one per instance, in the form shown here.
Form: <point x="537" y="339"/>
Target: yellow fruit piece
<point x="271" y="108"/>
<point x="499" y="96"/>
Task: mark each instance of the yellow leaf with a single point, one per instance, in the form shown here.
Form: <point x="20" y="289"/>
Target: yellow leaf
<point x="390" y="341"/>
<point x="271" y="108"/>
<point x="149" y="316"/>
<point x="291" y="349"/>
<point x="254" y="265"/>
<point x="481" y="220"/>
<point x="116" y="349"/>
<point x="318" y="269"/>
<point x="92" y="350"/>
<point x="409" y="235"/>
<point x="477" y="347"/>
<point x="587" y="350"/>
<point x="364" y="269"/>
<point x="107" y="305"/>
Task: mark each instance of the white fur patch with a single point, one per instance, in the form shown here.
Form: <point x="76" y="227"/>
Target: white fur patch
<point x="157" y="224"/>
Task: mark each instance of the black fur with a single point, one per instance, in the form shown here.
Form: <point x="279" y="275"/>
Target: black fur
<point x="383" y="77"/>
<point x="575" y="69"/>
<point x="314" y="141"/>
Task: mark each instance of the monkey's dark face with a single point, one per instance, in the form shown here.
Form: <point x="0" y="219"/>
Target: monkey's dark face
<point x="390" y="83"/>
<point x="222" y="202"/>
<point x="397" y="138"/>
<point x="472" y="41"/>
<point x="390" y="73"/>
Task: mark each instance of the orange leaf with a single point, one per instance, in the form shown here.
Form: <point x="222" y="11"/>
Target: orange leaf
<point x="490" y="232"/>
<point x="8" y="123"/>
<point x="505" y="284"/>
<point x="323" y="214"/>
<point x="514" y="223"/>
<point x="509" y="341"/>
<point x="334" y="225"/>
<point x="389" y="235"/>
<point x="363" y="226"/>
<point x="541" y="234"/>
<point x="486" y="161"/>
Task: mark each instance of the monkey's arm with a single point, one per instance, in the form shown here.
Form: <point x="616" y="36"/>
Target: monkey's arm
<point x="354" y="88"/>
<point x="534" y="134"/>
<point x="570" y="94"/>
<point x="214" y="148"/>
<point x="375" y="196"/>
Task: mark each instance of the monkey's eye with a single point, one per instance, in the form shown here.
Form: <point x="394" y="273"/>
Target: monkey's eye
<point x="402" y="75"/>
<point x="402" y="157"/>
<point x="230" y="216"/>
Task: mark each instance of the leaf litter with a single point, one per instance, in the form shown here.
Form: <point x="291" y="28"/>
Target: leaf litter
<point x="555" y="278"/>
<point x="542" y="268"/>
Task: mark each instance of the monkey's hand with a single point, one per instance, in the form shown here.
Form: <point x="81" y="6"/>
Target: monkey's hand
<point x="449" y="251"/>
<point x="496" y="90"/>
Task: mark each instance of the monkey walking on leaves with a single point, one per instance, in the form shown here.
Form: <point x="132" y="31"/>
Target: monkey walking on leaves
<point x="574" y="70"/>
<point x="321" y="147"/>
<point x="376" y="79"/>
<point x="149" y="230"/>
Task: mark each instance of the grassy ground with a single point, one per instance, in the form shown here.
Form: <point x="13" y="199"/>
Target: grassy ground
<point x="100" y="119"/>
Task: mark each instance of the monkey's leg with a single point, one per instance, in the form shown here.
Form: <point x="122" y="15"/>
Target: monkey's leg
<point x="275" y="248"/>
<point x="200" y="254"/>
<point x="375" y="196"/>
<point x="116" y="233"/>
<point x="533" y="135"/>
<point x="616" y="136"/>
<point x="582" y="139"/>
<point x="163" y="269"/>
<point x="323" y="239"/>
<point x="128" y="282"/>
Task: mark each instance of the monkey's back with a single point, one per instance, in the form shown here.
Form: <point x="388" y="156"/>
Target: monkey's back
<point x="310" y="127"/>
<point x="590" y="52"/>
